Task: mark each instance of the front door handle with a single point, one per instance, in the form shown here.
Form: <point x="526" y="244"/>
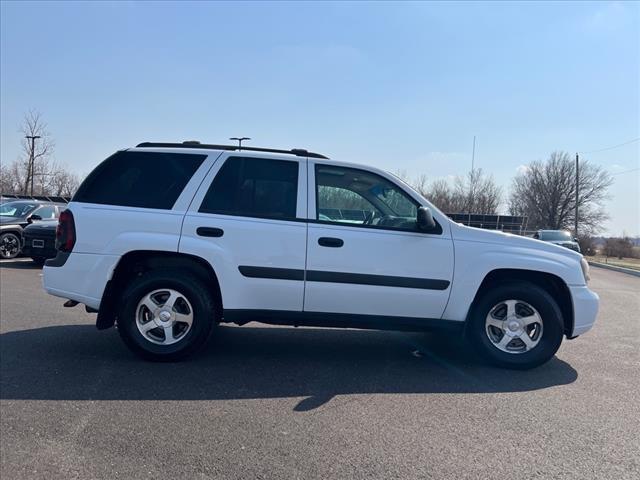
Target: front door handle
<point x="209" y="232"/>
<point x="330" y="242"/>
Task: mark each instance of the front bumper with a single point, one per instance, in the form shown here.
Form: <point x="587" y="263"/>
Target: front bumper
<point x="585" y="309"/>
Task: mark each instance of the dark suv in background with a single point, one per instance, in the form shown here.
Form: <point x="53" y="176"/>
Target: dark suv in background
<point x="559" y="237"/>
<point x="16" y="215"/>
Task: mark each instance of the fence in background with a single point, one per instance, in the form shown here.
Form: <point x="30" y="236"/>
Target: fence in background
<point x="44" y="198"/>
<point x="505" y="223"/>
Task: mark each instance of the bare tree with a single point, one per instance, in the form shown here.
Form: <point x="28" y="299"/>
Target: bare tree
<point x="441" y="194"/>
<point x="63" y="183"/>
<point x="37" y="167"/>
<point x="545" y="193"/>
<point x="618" y="247"/>
<point x="472" y="193"/>
<point x="11" y="180"/>
<point x="477" y="193"/>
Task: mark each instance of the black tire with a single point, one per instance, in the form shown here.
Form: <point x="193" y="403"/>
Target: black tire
<point x="552" y="331"/>
<point x="205" y="314"/>
<point x="10" y="245"/>
<point x="38" y="260"/>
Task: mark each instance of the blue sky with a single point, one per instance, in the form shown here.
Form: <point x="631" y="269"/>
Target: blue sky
<point x="399" y="86"/>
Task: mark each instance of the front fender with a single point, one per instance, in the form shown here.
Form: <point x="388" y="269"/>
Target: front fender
<point x="475" y="260"/>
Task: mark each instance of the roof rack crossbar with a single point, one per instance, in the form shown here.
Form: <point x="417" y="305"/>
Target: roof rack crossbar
<point x="294" y="151"/>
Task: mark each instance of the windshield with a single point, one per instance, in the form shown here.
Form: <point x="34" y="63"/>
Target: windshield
<point x="554" y="235"/>
<point x="17" y="209"/>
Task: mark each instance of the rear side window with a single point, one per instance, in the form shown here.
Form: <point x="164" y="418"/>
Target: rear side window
<point x="139" y="179"/>
<point x="254" y="187"/>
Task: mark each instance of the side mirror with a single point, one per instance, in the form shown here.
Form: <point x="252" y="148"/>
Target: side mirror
<point x="575" y="239"/>
<point x="34" y="218"/>
<point x="425" y="220"/>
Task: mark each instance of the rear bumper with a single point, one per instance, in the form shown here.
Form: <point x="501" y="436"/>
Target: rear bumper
<point x="82" y="277"/>
<point x="585" y="309"/>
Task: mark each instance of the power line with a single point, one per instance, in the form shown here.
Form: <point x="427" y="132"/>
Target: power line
<point x="626" y="171"/>
<point x="612" y="147"/>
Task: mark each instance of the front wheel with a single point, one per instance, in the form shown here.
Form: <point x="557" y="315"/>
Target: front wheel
<point x="516" y="326"/>
<point x="166" y="315"/>
<point x="9" y="245"/>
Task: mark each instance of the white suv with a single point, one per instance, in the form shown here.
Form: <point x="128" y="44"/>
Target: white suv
<point x="168" y="240"/>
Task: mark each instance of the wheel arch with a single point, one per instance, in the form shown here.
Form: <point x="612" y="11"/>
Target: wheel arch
<point x="552" y="284"/>
<point x="138" y="262"/>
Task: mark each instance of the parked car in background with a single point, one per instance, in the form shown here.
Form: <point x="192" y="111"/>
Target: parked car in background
<point x="39" y="240"/>
<point x="169" y="240"/>
<point x="16" y="215"/>
<point x="559" y="237"/>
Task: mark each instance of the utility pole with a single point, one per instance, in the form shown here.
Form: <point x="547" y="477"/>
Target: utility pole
<point x="473" y="158"/>
<point x="577" y="187"/>
<point x="240" y="139"/>
<point x="473" y="153"/>
<point x="32" y="157"/>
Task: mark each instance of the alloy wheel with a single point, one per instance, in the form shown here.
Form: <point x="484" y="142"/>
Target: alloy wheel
<point x="514" y="326"/>
<point x="164" y="316"/>
<point x="9" y="245"/>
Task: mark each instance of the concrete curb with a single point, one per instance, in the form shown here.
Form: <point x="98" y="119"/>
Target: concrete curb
<point x="629" y="271"/>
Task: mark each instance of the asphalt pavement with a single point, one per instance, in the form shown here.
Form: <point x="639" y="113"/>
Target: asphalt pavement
<point x="275" y="402"/>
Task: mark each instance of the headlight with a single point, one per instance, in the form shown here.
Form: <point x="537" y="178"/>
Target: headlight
<point x="585" y="269"/>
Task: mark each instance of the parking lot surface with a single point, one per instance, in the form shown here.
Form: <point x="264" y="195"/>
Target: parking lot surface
<point x="271" y="402"/>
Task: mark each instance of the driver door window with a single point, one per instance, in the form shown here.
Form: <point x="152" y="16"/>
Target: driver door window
<point x="46" y="213"/>
<point x="345" y="206"/>
<point x="357" y="197"/>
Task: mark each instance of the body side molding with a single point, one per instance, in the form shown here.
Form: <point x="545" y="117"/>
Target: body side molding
<point x="343" y="277"/>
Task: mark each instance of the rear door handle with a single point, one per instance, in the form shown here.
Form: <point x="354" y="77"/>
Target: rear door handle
<point x="330" y="242"/>
<point x="209" y="232"/>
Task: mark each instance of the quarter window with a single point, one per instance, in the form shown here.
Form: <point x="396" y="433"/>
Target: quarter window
<point x="358" y="197"/>
<point x="139" y="179"/>
<point x="254" y="187"/>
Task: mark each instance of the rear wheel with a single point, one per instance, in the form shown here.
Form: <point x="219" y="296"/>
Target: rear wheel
<point x="9" y="245"/>
<point x="166" y="316"/>
<point x="516" y="326"/>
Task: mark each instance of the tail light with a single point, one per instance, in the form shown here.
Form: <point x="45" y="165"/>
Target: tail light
<point x="66" y="232"/>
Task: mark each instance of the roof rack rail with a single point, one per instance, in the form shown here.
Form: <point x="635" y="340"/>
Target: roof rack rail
<point x="300" y="152"/>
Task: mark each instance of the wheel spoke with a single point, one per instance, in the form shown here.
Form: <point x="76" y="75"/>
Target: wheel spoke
<point x="173" y="296"/>
<point x="531" y="319"/>
<point x="150" y="325"/>
<point x="168" y="334"/>
<point x="511" y="307"/>
<point x="149" y="303"/>
<point x="495" y="322"/>
<point x="504" y="341"/>
<point x="184" y="318"/>
<point x="526" y="339"/>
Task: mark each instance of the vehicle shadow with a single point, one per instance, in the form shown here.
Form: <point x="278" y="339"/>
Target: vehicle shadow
<point x="20" y="264"/>
<point x="79" y="363"/>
